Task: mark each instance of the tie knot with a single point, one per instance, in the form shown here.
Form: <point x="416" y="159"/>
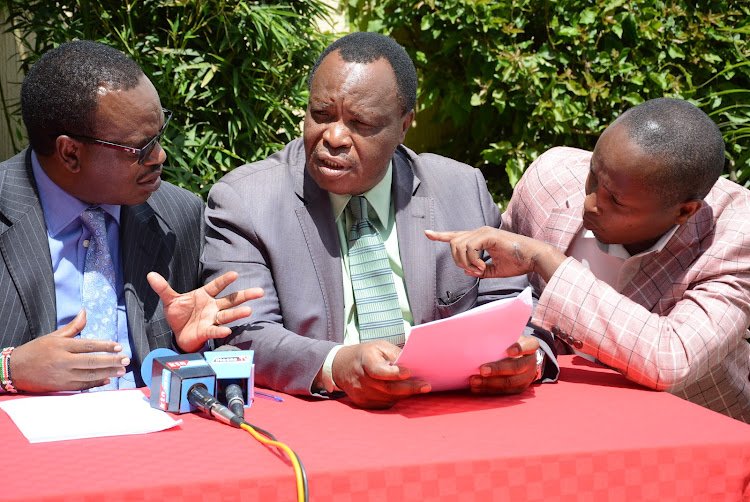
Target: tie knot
<point x="93" y="218"/>
<point x="358" y="205"/>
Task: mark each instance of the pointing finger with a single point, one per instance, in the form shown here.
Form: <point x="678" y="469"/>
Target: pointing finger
<point x="441" y="236"/>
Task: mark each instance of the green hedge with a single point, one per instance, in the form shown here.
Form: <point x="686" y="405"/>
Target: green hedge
<point x="503" y="80"/>
<point x="233" y="72"/>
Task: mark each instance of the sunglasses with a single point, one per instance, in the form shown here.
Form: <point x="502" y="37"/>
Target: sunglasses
<point x="142" y="153"/>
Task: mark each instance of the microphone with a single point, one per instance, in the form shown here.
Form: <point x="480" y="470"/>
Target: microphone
<point x="232" y="388"/>
<point x="181" y="383"/>
<point x="199" y="397"/>
<point x="234" y="373"/>
<point x="174" y="376"/>
<point x="235" y="400"/>
<point x="184" y="381"/>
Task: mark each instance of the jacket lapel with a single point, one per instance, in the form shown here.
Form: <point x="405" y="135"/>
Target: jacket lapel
<point x="24" y="245"/>
<point x="562" y="226"/>
<point x="414" y="215"/>
<point x="319" y="229"/>
<point x="143" y="251"/>
<point x="658" y="273"/>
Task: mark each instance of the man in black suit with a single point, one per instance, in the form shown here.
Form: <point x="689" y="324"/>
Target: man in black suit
<point x="95" y="122"/>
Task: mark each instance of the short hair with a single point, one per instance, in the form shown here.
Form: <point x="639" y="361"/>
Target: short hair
<point x="60" y="93"/>
<point x="367" y="47"/>
<point x="684" y="140"/>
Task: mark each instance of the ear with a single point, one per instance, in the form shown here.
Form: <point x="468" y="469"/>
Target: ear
<point x="686" y="210"/>
<point x="68" y="151"/>
<point x="408" y="118"/>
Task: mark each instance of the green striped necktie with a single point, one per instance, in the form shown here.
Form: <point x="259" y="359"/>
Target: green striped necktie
<point x="378" y="311"/>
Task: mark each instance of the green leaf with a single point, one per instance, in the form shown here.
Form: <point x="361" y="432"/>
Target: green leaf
<point x="660" y="79"/>
<point x="711" y="57"/>
<point x="675" y="52"/>
<point x="576" y="88"/>
<point x="613" y="4"/>
<point x="207" y="77"/>
<point x="633" y="98"/>
<point x="588" y="16"/>
<point x="567" y="31"/>
<point x="514" y="169"/>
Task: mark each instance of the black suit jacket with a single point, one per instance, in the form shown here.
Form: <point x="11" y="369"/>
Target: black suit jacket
<point x="164" y="234"/>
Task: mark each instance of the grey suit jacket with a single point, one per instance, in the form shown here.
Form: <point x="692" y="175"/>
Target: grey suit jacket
<point x="164" y="234"/>
<point x="274" y="225"/>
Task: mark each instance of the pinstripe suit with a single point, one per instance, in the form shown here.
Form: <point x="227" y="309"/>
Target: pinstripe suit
<point x="164" y="234"/>
<point x="680" y="324"/>
<point x="274" y="225"/>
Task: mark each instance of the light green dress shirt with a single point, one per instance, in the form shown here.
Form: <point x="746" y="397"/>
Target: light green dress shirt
<point x="384" y="221"/>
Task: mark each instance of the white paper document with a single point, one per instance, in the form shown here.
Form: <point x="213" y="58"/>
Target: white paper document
<point x="86" y="415"/>
<point x="447" y="352"/>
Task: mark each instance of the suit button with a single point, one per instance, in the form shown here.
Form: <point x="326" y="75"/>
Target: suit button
<point x="555" y="330"/>
<point x="577" y="344"/>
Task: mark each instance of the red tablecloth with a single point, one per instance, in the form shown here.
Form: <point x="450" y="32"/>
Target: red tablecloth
<point x="591" y="437"/>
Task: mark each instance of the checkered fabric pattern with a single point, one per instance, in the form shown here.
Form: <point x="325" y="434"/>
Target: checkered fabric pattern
<point x="681" y="323"/>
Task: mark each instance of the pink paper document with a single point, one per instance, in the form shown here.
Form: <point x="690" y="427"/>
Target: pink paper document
<point x="447" y="352"/>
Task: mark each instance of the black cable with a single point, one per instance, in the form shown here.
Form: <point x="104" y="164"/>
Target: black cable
<point x="199" y="397"/>
<point x="304" y="478"/>
<point x="270" y="436"/>
<point x="262" y="431"/>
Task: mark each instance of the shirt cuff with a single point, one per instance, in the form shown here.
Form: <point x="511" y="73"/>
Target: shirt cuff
<point x="539" y="364"/>
<point x="326" y="376"/>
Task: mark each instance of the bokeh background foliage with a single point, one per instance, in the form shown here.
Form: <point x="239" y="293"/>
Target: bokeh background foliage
<point x="501" y="81"/>
<point x="233" y="72"/>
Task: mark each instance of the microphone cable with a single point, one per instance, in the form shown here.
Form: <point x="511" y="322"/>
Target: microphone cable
<point x="299" y="469"/>
<point x="199" y="397"/>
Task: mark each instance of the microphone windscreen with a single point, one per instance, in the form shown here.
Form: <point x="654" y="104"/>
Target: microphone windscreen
<point x="234" y="376"/>
<point x="148" y="363"/>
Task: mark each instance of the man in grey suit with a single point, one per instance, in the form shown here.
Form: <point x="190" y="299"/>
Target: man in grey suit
<point x="282" y="223"/>
<point x="94" y="122"/>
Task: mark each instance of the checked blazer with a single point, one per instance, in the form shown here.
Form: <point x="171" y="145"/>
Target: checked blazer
<point x="163" y="234"/>
<point x="681" y="323"/>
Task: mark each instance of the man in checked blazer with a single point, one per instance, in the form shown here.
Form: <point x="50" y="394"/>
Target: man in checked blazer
<point x="281" y="224"/>
<point x="643" y="252"/>
<point x="94" y="122"/>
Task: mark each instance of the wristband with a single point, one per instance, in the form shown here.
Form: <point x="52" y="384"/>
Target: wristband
<point x="5" y="380"/>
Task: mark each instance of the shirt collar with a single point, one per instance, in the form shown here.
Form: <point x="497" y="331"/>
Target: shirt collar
<point x="60" y="208"/>
<point x="619" y="250"/>
<point x="378" y="196"/>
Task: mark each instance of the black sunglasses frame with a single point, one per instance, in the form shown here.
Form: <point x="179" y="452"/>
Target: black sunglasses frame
<point x="142" y="153"/>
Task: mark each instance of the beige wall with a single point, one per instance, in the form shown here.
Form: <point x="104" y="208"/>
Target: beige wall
<point x="10" y="81"/>
<point x="337" y="22"/>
